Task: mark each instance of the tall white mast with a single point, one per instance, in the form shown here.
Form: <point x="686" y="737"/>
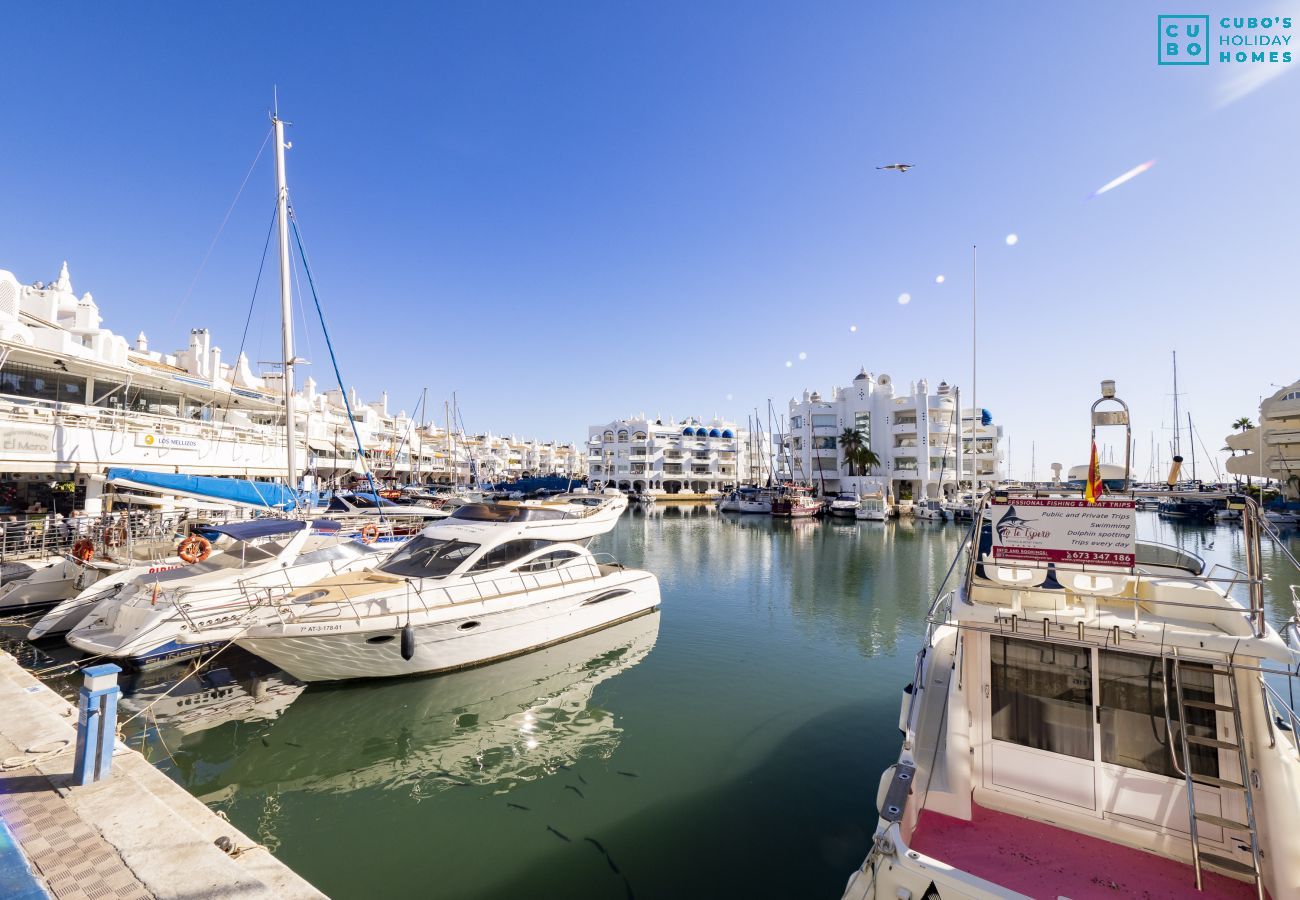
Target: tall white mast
<point x="286" y="303"/>
<point x="974" y="392"/>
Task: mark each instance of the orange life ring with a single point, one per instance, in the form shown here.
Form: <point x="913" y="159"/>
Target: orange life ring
<point x="114" y="536"/>
<point x="194" y="548"/>
<point x="369" y="533"/>
<point x="83" y="551"/>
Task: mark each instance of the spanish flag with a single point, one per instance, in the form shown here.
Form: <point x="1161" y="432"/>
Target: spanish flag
<point x="1093" y="488"/>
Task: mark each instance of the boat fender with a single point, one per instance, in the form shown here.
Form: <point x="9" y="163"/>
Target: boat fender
<point x="408" y="641"/>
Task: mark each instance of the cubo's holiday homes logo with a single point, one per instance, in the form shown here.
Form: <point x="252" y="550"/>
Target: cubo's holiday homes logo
<point x="1183" y="40"/>
<point x="1186" y="40"/>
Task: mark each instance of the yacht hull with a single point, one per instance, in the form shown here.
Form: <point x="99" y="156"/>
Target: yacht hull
<point x="445" y="638"/>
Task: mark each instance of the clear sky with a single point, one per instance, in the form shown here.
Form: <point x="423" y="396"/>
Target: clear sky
<point x="568" y="212"/>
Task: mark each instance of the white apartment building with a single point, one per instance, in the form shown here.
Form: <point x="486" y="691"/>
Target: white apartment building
<point x="1272" y="448"/>
<point x="77" y="399"/>
<point x="914" y="435"/>
<point x="687" y="458"/>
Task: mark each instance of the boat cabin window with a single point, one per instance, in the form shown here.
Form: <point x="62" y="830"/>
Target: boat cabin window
<point x="482" y="512"/>
<point x="548" y="561"/>
<point x="1042" y="696"/>
<point x="1134" y="732"/>
<point x="426" y="557"/>
<point x="506" y="553"/>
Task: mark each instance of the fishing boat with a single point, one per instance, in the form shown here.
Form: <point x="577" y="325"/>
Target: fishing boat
<point x="795" y="502"/>
<point x="488" y="583"/>
<point x="175" y="615"/>
<point x="845" y="503"/>
<point x="872" y="508"/>
<point x="1091" y="720"/>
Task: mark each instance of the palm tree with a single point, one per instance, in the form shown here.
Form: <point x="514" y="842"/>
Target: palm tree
<point x="867" y="459"/>
<point x="1243" y="425"/>
<point x="851" y="441"/>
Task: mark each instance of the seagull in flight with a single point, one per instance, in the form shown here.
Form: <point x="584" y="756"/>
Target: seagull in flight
<point x="900" y="167"/>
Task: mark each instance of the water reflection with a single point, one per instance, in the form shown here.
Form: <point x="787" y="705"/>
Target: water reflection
<point x="499" y="725"/>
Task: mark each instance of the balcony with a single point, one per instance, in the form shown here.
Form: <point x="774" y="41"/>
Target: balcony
<point x="904" y="427"/>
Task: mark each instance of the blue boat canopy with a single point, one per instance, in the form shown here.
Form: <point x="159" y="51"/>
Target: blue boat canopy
<point x="260" y="494"/>
<point x="261" y="528"/>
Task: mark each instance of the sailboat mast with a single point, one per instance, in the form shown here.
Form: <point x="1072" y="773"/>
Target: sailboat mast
<point x="1192" y="442"/>
<point x="286" y="304"/>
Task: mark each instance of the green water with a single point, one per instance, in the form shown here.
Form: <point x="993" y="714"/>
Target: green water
<point x="729" y="745"/>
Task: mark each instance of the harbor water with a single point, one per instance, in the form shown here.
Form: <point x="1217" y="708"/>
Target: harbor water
<point x="729" y="745"/>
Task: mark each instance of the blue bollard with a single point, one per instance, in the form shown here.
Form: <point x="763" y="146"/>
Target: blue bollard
<point x="96" y="724"/>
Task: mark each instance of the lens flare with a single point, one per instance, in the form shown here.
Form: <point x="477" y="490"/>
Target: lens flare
<point x="1013" y="239"/>
<point x="853" y="328"/>
<point x="803" y="355"/>
<point x="904" y="299"/>
<point x="938" y="279"/>
<point x="788" y="364"/>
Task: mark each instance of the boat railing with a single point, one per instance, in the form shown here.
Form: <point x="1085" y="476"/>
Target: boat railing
<point x="290" y="610"/>
<point x="1276" y="707"/>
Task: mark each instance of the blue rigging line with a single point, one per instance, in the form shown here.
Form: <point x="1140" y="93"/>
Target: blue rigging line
<point x="347" y="405"/>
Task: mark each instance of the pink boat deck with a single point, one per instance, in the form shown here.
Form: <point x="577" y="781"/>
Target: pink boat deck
<point x="1044" y="861"/>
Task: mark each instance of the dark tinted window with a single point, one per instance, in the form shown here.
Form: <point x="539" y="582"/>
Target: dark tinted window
<point x="549" y="561"/>
<point x="507" y="553"/>
<point x="426" y="557"/>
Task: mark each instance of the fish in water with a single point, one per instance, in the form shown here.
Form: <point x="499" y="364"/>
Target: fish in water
<point x="518" y="806"/>
<point x="569" y="787"/>
<point x="559" y="834"/>
<point x="630" y="774"/>
<point x="265" y="742"/>
<point x="292" y="744"/>
<point x="605" y="853"/>
<point x="580" y="778"/>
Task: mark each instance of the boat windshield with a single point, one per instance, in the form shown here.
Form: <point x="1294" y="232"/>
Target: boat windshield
<point x="427" y="557"/>
<point x="482" y="512"/>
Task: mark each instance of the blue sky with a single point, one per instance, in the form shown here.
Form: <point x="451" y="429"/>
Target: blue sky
<point x="569" y="212"/>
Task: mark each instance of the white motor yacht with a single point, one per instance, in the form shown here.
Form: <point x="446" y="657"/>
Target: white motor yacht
<point x="872" y="509"/>
<point x="1091" y="715"/>
<point x="171" y="615"/>
<point x="489" y="583"/>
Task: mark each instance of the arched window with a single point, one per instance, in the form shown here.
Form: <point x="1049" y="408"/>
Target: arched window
<point x="713" y="432"/>
<point x="728" y="433"/>
<point x="639" y="436"/>
<point x="622" y="436"/>
<point x="688" y="431"/>
<point x="609" y="436"/>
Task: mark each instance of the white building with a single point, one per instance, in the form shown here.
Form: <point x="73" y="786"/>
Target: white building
<point x="688" y="458"/>
<point x="77" y="399"/>
<point x="1272" y="448"/>
<point x="914" y="435"/>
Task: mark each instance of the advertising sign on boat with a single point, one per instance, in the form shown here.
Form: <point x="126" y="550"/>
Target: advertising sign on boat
<point x="1065" y="531"/>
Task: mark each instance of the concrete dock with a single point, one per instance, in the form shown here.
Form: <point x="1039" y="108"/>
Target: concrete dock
<point x="135" y="835"/>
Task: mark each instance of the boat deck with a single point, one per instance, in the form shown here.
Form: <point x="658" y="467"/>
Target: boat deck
<point x="1041" y="860"/>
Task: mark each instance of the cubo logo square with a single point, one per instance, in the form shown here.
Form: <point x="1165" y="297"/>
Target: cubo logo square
<point x="1183" y="40"/>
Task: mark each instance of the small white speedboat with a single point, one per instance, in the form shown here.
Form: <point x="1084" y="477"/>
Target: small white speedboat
<point x="845" y="504"/>
<point x="173" y="615"/>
